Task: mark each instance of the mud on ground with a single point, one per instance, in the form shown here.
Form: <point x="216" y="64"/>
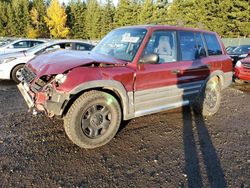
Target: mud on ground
<point x="171" y="149"/>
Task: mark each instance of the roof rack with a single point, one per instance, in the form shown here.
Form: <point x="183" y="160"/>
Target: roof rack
<point x="176" y="22"/>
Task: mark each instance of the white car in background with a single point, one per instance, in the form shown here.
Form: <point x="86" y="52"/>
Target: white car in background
<point x="19" y="45"/>
<point x="11" y="64"/>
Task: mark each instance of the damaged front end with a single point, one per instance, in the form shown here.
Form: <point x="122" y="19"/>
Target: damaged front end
<point x="41" y="94"/>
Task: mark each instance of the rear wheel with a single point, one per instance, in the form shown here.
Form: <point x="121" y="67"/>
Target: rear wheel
<point x="208" y="101"/>
<point x="16" y="74"/>
<point x="93" y="119"/>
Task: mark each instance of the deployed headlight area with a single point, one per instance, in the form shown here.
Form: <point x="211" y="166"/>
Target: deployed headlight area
<point x="7" y="60"/>
<point x="60" y="78"/>
<point x="46" y="82"/>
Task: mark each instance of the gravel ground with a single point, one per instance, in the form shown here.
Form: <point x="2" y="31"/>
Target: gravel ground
<point x="171" y="149"/>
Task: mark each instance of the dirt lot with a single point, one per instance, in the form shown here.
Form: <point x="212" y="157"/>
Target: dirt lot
<point x="170" y="149"/>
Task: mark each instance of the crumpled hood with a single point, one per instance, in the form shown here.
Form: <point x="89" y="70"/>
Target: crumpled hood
<point x="61" y="61"/>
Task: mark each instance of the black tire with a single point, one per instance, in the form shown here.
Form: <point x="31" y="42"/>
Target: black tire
<point x="93" y="119"/>
<point x="15" y="74"/>
<point x="209" y="99"/>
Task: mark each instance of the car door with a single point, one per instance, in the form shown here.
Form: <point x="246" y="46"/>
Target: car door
<point x="156" y="85"/>
<point x="195" y="66"/>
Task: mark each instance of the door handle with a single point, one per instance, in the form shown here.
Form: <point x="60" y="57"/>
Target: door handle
<point x="176" y="71"/>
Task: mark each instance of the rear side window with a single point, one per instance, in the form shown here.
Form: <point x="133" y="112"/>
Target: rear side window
<point x="213" y="45"/>
<point x="34" y="43"/>
<point x="187" y="45"/>
<point x="200" y="51"/>
<point x="83" y="47"/>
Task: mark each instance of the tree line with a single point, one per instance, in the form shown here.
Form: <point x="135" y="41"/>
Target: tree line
<point x="92" y="19"/>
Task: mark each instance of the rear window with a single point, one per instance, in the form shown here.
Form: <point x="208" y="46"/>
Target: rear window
<point x="242" y="49"/>
<point x="213" y="45"/>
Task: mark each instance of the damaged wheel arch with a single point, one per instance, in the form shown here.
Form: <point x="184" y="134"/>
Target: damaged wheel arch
<point x="109" y="86"/>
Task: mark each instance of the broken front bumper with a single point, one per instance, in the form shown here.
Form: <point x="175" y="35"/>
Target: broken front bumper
<point x="24" y="89"/>
<point x="52" y="102"/>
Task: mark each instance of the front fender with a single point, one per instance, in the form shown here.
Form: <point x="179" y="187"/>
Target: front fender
<point x="115" y="86"/>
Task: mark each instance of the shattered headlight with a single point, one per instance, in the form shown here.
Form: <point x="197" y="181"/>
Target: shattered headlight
<point x="60" y="78"/>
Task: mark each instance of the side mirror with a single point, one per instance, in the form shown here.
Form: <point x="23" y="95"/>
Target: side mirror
<point x="149" y="59"/>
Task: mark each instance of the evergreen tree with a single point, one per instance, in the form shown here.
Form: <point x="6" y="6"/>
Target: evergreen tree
<point x="235" y="18"/>
<point x="146" y="12"/>
<point x="92" y="19"/>
<point x="107" y="16"/>
<point x="76" y="18"/>
<point x="18" y="18"/>
<point x="56" y="20"/>
<point x="40" y="7"/>
<point x="126" y="13"/>
<point x="10" y="29"/>
<point x="3" y="18"/>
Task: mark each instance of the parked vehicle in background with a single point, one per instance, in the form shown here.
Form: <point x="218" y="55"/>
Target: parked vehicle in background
<point x="3" y="43"/>
<point x="229" y="49"/>
<point x="133" y="71"/>
<point x="11" y="64"/>
<point x="242" y="69"/>
<point x="19" y="45"/>
<point x="239" y="53"/>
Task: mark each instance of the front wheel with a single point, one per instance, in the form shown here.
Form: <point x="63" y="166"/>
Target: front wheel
<point x="16" y="74"/>
<point x="93" y="119"/>
<point x="208" y="101"/>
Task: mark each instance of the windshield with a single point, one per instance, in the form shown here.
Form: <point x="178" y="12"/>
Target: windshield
<point x="122" y="43"/>
<point x="242" y="49"/>
<point x="36" y="48"/>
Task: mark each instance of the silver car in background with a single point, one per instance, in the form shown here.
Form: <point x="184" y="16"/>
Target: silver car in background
<point x="11" y="64"/>
<point x="19" y="45"/>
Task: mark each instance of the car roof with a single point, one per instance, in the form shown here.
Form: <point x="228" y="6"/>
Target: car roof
<point x="168" y="27"/>
<point x="18" y="40"/>
<point x="68" y="41"/>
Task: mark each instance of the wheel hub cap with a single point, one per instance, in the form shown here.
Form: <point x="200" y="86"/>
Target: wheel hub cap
<point x="96" y="119"/>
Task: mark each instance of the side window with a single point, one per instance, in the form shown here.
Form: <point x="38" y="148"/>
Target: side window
<point x="162" y="43"/>
<point x="82" y="47"/>
<point x="22" y="44"/>
<point x="34" y="43"/>
<point x="200" y="48"/>
<point x="187" y="45"/>
<point x="213" y="45"/>
<point x="67" y="46"/>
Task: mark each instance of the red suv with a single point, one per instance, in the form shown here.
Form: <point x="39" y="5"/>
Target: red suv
<point x="242" y="69"/>
<point x="133" y="71"/>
